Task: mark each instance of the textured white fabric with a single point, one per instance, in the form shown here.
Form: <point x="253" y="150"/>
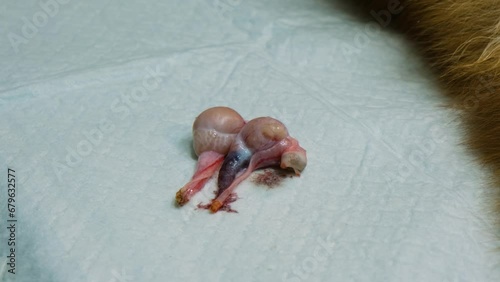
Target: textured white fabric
<point x="97" y="99"/>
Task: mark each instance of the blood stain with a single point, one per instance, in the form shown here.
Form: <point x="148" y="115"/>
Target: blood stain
<point x="271" y="177"/>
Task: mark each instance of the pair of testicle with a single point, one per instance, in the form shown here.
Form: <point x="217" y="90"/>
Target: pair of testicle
<point x="225" y="142"/>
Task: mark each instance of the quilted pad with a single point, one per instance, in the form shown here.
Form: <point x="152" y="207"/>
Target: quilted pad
<point x="97" y="99"/>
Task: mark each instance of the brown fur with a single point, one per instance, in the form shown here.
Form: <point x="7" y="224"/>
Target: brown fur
<point x="460" y="39"/>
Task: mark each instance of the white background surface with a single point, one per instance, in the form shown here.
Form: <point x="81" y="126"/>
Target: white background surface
<point x="388" y="189"/>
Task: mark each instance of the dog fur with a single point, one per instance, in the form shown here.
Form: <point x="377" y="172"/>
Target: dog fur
<point x="460" y="40"/>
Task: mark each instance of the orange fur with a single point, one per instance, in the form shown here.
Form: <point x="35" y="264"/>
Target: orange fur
<point x="460" y="39"/>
